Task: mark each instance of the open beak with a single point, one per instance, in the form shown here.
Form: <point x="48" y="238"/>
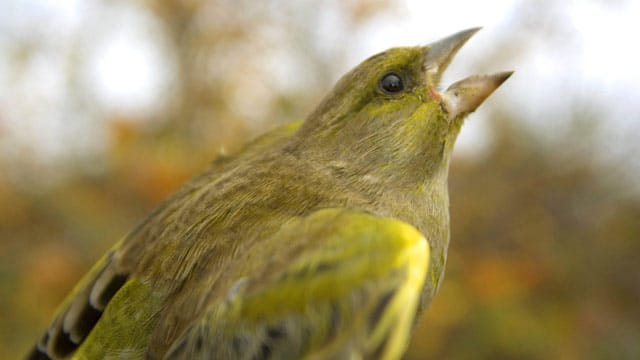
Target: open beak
<point x="466" y="95"/>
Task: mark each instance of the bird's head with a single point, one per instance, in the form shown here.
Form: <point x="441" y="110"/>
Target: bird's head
<point x="386" y="119"/>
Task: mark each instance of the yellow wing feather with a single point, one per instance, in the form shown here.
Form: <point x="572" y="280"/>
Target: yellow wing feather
<point x="342" y="284"/>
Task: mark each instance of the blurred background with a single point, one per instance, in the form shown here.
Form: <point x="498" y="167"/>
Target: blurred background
<point x="106" y="107"/>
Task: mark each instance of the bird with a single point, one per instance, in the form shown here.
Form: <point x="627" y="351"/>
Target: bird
<point x="321" y="239"/>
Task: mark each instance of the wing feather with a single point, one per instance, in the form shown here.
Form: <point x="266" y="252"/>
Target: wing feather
<point x="80" y="312"/>
<point x="336" y="284"/>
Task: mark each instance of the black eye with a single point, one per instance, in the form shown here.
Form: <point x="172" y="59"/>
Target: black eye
<point x="391" y="83"/>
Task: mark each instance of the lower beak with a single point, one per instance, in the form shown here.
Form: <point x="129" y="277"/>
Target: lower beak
<point x="464" y="96"/>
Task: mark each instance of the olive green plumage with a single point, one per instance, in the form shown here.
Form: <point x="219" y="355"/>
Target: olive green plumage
<point x="319" y="240"/>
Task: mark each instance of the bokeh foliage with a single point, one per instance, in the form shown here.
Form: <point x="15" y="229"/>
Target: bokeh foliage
<point x="544" y="247"/>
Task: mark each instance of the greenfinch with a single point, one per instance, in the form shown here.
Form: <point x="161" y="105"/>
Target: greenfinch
<point x="322" y="239"/>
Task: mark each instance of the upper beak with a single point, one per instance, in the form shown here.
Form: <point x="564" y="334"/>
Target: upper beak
<point x="466" y="95"/>
<point x="438" y="55"/>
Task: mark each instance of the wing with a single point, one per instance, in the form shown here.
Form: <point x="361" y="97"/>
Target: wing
<point x="338" y="284"/>
<point x="113" y="282"/>
<point x="80" y="312"/>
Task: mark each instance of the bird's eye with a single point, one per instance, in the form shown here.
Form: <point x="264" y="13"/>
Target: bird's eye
<point x="391" y="83"/>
